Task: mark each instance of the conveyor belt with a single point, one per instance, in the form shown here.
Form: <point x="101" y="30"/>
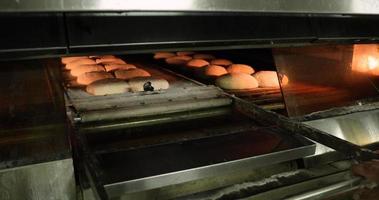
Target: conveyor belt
<point x="183" y="96"/>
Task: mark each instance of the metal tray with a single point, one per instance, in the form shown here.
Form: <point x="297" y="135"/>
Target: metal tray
<point x="122" y="172"/>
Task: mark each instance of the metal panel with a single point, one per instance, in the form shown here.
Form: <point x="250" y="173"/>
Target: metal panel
<point x="90" y="32"/>
<point x="278" y="6"/>
<point x="27" y="35"/>
<point x="344" y="27"/>
<point x="51" y="180"/>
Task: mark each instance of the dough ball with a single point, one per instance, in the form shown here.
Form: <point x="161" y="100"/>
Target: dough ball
<point x="178" y="60"/>
<point x="114" y="67"/>
<point x="81" y="69"/>
<point x="185" y="53"/>
<point x="269" y="79"/>
<point x="110" y="61"/>
<point x="82" y="61"/>
<point x="197" y="63"/>
<point x="66" y="60"/>
<point x="222" y="62"/>
<point x="240" y="68"/>
<point x="108" y="86"/>
<point x="237" y="81"/>
<point x="204" y="56"/>
<point x="163" y="55"/>
<point x="131" y="73"/>
<point x="90" y="77"/>
<point x="215" y="70"/>
<point x="148" y="84"/>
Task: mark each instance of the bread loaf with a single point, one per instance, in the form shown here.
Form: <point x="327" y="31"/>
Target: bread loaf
<point x="178" y="60"/>
<point x="197" y="63"/>
<point x="222" y="62"/>
<point x="240" y="68"/>
<point x="114" y="67"/>
<point x="131" y="73"/>
<point x="269" y="79"/>
<point x="81" y="69"/>
<point x="66" y="60"/>
<point x="110" y="61"/>
<point x="108" y="86"/>
<point x="237" y="81"/>
<point x="185" y="53"/>
<point x="204" y="56"/>
<point x="215" y="70"/>
<point x="148" y="84"/>
<point x="163" y="55"/>
<point x="82" y="61"/>
<point x="90" y="77"/>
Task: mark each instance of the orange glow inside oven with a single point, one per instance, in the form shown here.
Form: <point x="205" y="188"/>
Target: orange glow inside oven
<point x="366" y="59"/>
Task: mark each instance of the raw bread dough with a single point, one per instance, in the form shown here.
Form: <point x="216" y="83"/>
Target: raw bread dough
<point x="82" y="61"/>
<point x="113" y="67"/>
<point x="222" y="62"/>
<point x="215" y="70"/>
<point x="237" y="81"/>
<point x="204" y="56"/>
<point x="131" y="73"/>
<point x="148" y="84"/>
<point x="90" y="77"/>
<point x="163" y="55"/>
<point x="108" y="86"/>
<point x="185" y="53"/>
<point x="81" y="69"/>
<point x="66" y="60"/>
<point x="269" y="79"/>
<point x="197" y="63"/>
<point x="178" y="60"/>
<point x="240" y="68"/>
<point x="110" y="61"/>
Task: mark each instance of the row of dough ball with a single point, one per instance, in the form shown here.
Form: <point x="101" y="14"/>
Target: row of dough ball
<point x="264" y="79"/>
<point x="214" y="67"/>
<point x="110" y="74"/>
<point x="87" y="73"/>
<point x="230" y="76"/>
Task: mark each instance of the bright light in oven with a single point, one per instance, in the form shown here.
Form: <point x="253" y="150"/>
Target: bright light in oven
<point x="372" y="62"/>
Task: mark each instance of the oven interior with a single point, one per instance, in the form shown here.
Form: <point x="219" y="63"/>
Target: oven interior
<point x="194" y="131"/>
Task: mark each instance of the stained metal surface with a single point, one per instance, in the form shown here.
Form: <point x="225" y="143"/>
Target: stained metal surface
<point x="49" y="180"/>
<point x="280" y="6"/>
<point x="317" y="188"/>
<point x="32" y="113"/>
<point x="359" y="128"/>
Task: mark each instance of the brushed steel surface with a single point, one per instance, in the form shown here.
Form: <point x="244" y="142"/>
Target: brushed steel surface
<point x="51" y="180"/>
<point x="274" y="6"/>
<point x="360" y="128"/>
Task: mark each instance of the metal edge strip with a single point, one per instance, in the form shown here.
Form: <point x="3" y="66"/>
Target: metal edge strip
<point x="266" y="6"/>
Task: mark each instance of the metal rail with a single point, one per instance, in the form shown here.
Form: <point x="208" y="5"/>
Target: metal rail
<point x="258" y="6"/>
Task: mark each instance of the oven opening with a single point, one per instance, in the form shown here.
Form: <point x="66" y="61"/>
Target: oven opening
<point x="178" y="112"/>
